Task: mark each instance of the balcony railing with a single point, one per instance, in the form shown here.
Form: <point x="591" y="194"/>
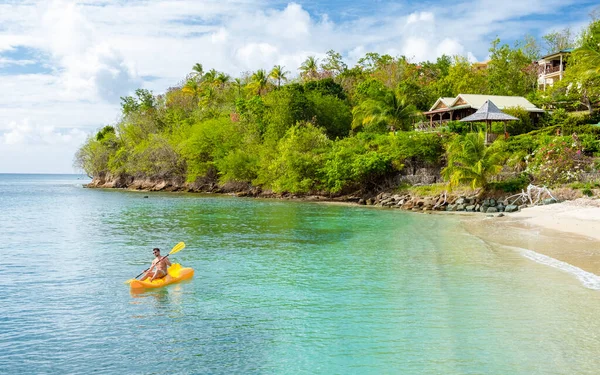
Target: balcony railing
<point x="551" y="69"/>
<point x="428" y="126"/>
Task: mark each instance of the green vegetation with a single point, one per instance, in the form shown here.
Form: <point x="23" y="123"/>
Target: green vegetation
<point x="471" y="162"/>
<point x="511" y="185"/>
<point x="426" y="190"/>
<point x="588" y="189"/>
<point x="336" y="129"/>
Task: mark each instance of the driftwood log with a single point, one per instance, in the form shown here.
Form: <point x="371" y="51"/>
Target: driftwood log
<point x="532" y="196"/>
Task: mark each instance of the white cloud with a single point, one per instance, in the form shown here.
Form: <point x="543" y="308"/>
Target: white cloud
<point x="88" y="66"/>
<point x="26" y="147"/>
<point x="26" y="133"/>
<point x="257" y="55"/>
<point x="416" y="49"/>
<point x="292" y="23"/>
<point x="450" y="47"/>
<point x="65" y="30"/>
<point x="19" y="62"/>
<point x="100" y="71"/>
<point x="420" y="17"/>
<point x="38" y="98"/>
<point x="220" y="36"/>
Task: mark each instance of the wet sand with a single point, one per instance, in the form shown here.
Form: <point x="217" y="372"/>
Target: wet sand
<point x="568" y="232"/>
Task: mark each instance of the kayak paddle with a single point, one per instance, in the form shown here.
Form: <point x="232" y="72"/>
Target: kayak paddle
<point x="177" y="248"/>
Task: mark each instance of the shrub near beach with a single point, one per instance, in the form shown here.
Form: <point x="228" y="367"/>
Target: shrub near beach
<point x="559" y="161"/>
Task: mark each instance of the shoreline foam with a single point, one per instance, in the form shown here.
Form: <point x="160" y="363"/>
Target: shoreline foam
<point x="563" y="236"/>
<point x="588" y="279"/>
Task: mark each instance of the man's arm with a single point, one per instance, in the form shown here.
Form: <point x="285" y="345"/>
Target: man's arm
<point x="166" y="260"/>
<point x="149" y="269"/>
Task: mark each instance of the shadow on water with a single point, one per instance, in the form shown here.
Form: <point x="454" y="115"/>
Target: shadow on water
<point x="168" y="296"/>
<point x="161" y="296"/>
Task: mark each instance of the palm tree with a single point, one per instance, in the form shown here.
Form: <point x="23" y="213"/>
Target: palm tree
<point x="310" y="68"/>
<point x="222" y="79"/>
<point x="278" y="73"/>
<point x="210" y="76"/>
<point x="389" y="111"/>
<point x="208" y="94"/>
<point x="208" y="101"/>
<point x="192" y="87"/>
<point x="471" y="162"/>
<point x="239" y="84"/>
<point x="197" y="70"/>
<point x="260" y="80"/>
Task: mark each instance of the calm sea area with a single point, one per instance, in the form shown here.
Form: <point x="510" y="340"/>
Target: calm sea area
<point x="280" y="288"/>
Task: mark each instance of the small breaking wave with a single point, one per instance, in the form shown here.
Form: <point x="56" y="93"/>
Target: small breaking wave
<point x="588" y="279"/>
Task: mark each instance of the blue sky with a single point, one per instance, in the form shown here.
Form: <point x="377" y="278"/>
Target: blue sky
<point x="64" y="64"/>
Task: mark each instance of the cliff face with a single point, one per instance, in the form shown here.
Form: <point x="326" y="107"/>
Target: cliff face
<point x="109" y="181"/>
<point x="143" y="183"/>
<point x="175" y="184"/>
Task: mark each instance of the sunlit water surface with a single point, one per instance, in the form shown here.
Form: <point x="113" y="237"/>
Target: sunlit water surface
<point x="280" y="288"/>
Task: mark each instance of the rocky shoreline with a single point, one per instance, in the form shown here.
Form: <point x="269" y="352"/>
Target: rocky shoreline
<point x="405" y="201"/>
<point x="442" y="202"/>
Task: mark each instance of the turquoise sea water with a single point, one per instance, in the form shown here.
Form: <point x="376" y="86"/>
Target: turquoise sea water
<point x="280" y="288"/>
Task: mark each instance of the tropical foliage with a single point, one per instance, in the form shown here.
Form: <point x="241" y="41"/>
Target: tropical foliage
<point x="558" y="160"/>
<point x="279" y="74"/>
<point x="337" y="129"/>
<point x="471" y="162"/>
<point x="382" y="110"/>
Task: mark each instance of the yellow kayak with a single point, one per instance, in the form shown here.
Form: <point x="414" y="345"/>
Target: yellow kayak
<point x="175" y="274"/>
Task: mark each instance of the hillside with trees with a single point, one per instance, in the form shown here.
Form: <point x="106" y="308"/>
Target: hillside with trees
<point x="334" y="129"/>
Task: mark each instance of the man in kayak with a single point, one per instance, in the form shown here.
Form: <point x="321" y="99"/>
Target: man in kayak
<point x="158" y="269"/>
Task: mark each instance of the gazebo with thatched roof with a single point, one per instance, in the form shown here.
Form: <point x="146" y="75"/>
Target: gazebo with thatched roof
<point x="489" y="113"/>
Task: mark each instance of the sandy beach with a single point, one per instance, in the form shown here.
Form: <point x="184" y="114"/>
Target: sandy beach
<point x="567" y="232"/>
<point x="580" y="217"/>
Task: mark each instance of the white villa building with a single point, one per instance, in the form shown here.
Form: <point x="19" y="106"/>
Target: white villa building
<point x="552" y="68"/>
